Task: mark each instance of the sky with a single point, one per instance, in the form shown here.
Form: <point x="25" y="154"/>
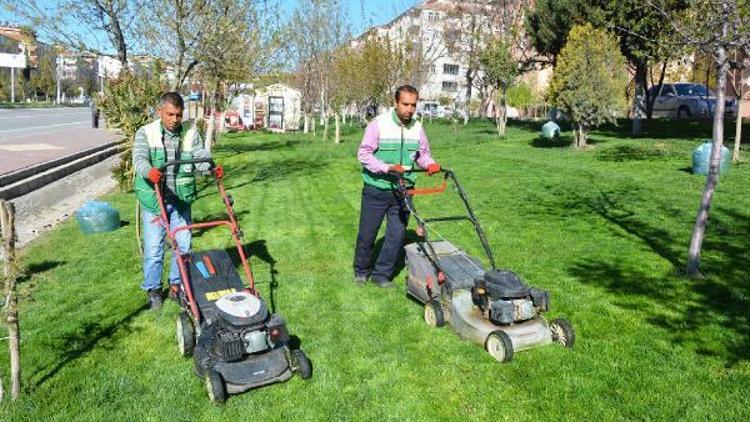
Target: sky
<point x="361" y="14"/>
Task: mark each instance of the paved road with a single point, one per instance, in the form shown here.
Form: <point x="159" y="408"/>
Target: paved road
<point x="32" y="136"/>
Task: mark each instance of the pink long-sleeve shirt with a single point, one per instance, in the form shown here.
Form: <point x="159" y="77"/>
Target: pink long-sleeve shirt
<point x="369" y="145"/>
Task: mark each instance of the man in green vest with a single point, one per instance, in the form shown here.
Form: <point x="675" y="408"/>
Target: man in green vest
<point x="393" y="142"/>
<point x="166" y="139"/>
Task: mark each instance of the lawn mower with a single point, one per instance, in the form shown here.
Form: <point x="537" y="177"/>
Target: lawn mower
<point x="237" y="344"/>
<point x="492" y="307"/>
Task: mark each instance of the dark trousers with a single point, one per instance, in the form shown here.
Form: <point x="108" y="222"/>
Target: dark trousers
<point x="377" y="204"/>
<point x="95" y="120"/>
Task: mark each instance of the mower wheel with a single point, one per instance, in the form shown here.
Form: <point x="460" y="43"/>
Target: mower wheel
<point x="185" y="334"/>
<point x="499" y="346"/>
<point x="433" y="314"/>
<point x="301" y="364"/>
<point x="217" y="393"/>
<point x="562" y="332"/>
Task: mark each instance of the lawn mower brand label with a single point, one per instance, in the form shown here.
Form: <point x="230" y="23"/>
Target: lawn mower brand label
<point x="214" y="296"/>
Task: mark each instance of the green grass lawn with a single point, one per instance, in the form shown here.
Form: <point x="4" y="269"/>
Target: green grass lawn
<point x="604" y="230"/>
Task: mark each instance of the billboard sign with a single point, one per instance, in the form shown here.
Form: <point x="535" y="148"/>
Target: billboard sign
<point x="12" y="60"/>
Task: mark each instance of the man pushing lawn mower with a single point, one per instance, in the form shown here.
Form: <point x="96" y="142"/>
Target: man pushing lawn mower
<point x="166" y="139"/>
<point x="393" y="143"/>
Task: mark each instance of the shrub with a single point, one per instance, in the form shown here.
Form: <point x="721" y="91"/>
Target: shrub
<point x="128" y="103"/>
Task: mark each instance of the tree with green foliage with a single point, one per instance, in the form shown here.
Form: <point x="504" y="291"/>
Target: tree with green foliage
<point x="127" y="104"/>
<point x="501" y="70"/>
<point x="44" y="78"/>
<point x="550" y="21"/>
<point x="589" y="80"/>
<point x="644" y="40"/>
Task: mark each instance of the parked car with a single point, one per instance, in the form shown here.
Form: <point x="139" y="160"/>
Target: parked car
<point x="445" y="112"/>
<point x="427" y="109"/>
<point x="687" y="100"/>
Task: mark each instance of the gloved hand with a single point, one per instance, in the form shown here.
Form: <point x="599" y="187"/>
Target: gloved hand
<point x="397" y="168"/>
<point x="219" y="171"/>
<point x="433" y="168"/>
<point x="154" y="175"/>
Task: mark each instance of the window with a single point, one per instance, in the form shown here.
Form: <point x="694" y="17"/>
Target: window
<point x="450" y="69"/>
<point x="449" y="86"/>
<point x="433" y="16"/>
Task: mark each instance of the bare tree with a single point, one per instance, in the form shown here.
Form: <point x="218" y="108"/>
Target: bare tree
<point x="229" y="52"/>
<point x="81" y="24"/>
<point x="718" y="28"/>
<point x="316" y="29"/>
<point x="7" y="223"/>
<point x="183" y="22"/>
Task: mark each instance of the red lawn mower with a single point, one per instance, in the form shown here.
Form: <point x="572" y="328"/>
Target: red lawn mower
<point x="237" y="344"/>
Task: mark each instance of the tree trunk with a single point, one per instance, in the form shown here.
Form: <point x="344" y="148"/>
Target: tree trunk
<point x="650" y="99"/>
<point x="694" y="252"/>
<point x="337" y="137"/>
<point x="639" y="99"/>
<point x="325" y="129"/>
<point x="7" y="220"/>
<point x="500" y="119"/>
<point x="738" y="131"/>
<point x="222" y="125"/>
<point x="306" y="126"/>
<point x="582" y="136"/>
<point x="210" y="132"/>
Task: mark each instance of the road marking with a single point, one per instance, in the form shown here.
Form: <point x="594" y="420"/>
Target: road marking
<point x="29" y="147"/>
<point x="28" y="116"/>
<point x="43" y="127"/>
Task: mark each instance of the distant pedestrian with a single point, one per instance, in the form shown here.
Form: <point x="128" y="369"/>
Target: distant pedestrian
<point x="94" y="114"/>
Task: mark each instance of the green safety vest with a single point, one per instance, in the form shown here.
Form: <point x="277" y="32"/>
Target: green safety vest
<point x="184" y="179"/>
<point x="397" y="144"/>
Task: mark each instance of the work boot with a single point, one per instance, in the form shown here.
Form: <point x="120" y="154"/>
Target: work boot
<point x="360" y="279"/>
<point x="382" y="283"/>
<point x="154" y="299"/>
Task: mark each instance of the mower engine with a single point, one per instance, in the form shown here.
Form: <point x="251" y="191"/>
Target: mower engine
<point x="245" y="327"/>
<point x="504" y="299"/>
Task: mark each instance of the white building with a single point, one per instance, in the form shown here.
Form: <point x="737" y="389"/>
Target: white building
<point x="440" y="28"/>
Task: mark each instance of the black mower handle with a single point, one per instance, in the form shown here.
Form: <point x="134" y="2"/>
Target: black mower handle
<point x="417" y="170"/>
<point x="181" y="162"/>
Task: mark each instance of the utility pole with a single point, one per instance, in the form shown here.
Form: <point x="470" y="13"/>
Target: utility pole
<point x="57" y="72"/>
<point x="12" y="85"/>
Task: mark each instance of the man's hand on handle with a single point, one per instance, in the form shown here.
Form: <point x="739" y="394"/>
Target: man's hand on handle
<point x="397" y="169"/>
<point x="154" y="175"/>
<point x="433" y="168"/>
<point x="219" y="171"/>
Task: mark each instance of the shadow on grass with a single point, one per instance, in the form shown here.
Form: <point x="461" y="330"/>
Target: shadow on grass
<point x="37" y="269"/>
<point x="249" y="146"/>
<point x="269" y="172"/>
<point x="258" y="248"/>
<point x="635" y="152"/>
<point x="557" y="142"/>
<point x="682" y="307"/>
<point x="197" y="233"/>
<point x="77" y="344"/>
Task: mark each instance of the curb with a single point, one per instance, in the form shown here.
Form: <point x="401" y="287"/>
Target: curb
<point x="21" y="182"/>
<point x="24" y="173"/>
